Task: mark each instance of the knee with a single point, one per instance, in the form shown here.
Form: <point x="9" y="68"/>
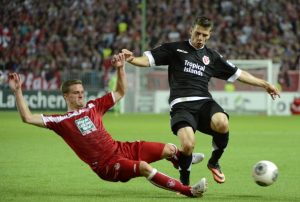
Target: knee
<point x="188" y="147"/>
<point x="187" y="139"/>
<point x="222" y="127"/>
<point x="169" y="150"/>
<point x="220" y="123"/>
<point x="145" y="168"/>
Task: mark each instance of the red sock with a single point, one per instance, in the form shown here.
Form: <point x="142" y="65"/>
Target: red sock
<point x="163" y="181"/>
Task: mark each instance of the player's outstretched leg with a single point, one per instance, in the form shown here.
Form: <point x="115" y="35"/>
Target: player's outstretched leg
<point x="163" y="181"/>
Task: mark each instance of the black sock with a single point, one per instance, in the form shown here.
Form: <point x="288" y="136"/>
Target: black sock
<point x="215" y="156"/>
<point x="184" y="168"/>
<point x="220" y="141"/>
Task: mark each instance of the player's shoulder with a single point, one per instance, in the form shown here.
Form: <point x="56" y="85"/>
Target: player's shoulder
<point x="213" y="52"/>
<point x="102" y="98"/>
<point x="176" y="44"/>
<point x="55" y="115"/>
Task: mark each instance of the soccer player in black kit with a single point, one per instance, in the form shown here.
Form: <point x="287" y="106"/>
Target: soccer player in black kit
<point x="190" y="67"/>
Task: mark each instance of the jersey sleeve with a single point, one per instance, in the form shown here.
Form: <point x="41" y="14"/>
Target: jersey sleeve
<point x="104" y="103"/>
<point x="225" y="70"/>
<point x="160" y="56"/>
<point x="51" y="121"/>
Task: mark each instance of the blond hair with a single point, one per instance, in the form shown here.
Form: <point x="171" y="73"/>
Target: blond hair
<point x="65" y="87"/>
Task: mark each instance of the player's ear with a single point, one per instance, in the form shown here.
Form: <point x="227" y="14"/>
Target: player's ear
<point x="208" y="36"/>
<point x="191" y="30"/>
<point x="210" y="32"/>
<point x="65" y="95"/>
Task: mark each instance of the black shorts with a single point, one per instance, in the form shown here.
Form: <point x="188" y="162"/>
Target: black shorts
<point x="196" y="114"/>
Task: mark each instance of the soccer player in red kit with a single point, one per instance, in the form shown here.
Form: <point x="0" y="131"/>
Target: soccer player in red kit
<point x="83" y="130"/>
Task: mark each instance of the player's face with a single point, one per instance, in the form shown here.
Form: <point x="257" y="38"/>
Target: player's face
<point x="75" y="97"/>
<point x="199" y="36"/>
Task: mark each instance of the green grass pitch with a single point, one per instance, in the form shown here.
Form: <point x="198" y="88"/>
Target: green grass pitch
<point x="36" y="164"/>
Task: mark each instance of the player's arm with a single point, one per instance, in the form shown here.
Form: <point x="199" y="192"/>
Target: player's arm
<point x="118" y="62"/>
<point x="141" y="61"/>
<point x="248" y="78"/>
<point x="16" y="86"/>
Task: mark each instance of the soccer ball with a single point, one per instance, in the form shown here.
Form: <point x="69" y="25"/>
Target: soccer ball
<point x="265" y="173"/>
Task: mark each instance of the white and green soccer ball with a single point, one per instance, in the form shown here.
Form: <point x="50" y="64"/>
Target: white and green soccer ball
<point x="265" y="173"/>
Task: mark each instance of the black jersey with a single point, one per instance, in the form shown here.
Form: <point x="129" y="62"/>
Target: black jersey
<point x="190" y="69"/>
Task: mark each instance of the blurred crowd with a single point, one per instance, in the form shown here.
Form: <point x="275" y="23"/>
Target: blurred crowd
<point x="48" y="41"/>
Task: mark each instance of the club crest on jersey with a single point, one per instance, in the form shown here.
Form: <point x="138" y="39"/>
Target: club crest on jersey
<point x="205" y="60"/>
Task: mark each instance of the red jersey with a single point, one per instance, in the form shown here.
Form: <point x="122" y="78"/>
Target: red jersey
<point x="84" y="132"/>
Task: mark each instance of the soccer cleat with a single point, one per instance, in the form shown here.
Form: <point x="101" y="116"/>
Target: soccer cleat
<point x="198" y="189"/>
<point x="197" y="158"/>
<point x="218" y="175"/>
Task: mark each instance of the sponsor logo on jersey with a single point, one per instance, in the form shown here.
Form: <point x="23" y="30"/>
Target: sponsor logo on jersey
<point x="193" y="68"/>
<point x="182" y="51"/>
<point x="205" y="60"/>
<point x="85" y="125"/>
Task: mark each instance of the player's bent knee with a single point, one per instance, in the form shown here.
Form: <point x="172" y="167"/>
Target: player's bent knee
<point x="169" y="150"/>
<point x="222" y="127"/>
<point x="220" y="124"/>
<point x="188" y="147"/>
<point x="145" y="168"/>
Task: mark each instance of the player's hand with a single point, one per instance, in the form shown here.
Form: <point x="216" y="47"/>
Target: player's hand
<point x="14" y="82"/>
<point x="128" y="55"/>
<point x="118" y="61"/>
<point x="273" y="91"/>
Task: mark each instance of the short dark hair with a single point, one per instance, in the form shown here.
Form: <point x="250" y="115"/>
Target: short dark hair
<point x="65" y="87"/>
<point x="203" y="22"/>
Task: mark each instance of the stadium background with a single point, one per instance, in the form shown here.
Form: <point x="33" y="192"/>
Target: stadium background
<point x="48" y="42"/>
